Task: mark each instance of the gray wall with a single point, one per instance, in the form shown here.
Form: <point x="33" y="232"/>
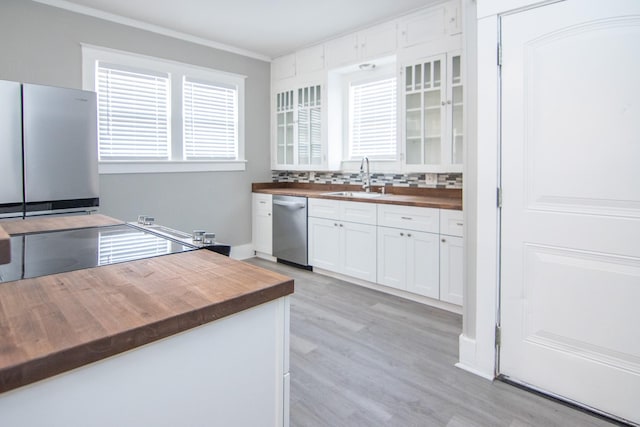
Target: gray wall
<point x="41" y="44"/>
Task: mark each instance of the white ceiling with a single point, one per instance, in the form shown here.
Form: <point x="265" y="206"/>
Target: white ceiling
<point x="261" y="28"/>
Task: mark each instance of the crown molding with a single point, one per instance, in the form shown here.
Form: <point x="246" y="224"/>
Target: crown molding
<point x="84" y="10"/>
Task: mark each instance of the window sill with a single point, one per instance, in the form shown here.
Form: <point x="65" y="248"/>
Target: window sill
<point x="107" y="168"/>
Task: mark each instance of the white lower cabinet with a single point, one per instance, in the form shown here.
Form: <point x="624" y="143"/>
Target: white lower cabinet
<point x="451" y="269"/>
<point x="262" y="223"/>
<point x="408" y="260"/>
<point x="451" y="256"/>
<point x="337" y="243"/>
<point x="416" y="250"/>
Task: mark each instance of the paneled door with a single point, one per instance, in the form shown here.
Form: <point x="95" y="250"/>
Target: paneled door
<point x="570" y="232"/>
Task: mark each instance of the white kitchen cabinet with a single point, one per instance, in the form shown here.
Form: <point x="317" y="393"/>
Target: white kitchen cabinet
<point x="451" y="256"/>
<point x="337" y="244"/>
<point x="371" y="43"/>
<point x="409" y="260"/>
<point x="283" y="67"/>
<point x="451" y="269"/>
<point x="298" y="128"/>
<point x="310" y="60"/>
<point x="262" y="223"/>
<point x="431" y="24"/>
<point x="433" y="113"/>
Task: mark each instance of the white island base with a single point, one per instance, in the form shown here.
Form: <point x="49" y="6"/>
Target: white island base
<point x="230" y="372"/>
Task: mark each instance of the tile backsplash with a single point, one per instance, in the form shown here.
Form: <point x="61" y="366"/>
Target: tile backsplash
<point x="424" y="180"/>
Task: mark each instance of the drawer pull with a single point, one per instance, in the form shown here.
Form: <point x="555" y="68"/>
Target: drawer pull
<point x="402" y="234"/>
<point x="459" y="224"/>
<point x="409" y="235"/>
<point x="407" y="217"/>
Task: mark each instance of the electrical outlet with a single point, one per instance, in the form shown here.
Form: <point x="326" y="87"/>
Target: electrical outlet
<point x="431" y="179"/>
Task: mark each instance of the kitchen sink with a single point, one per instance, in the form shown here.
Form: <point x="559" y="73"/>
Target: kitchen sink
<point x="354" y="194"/>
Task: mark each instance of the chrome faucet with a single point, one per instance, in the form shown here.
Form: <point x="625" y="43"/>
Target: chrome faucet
<point x="366" y="181"/>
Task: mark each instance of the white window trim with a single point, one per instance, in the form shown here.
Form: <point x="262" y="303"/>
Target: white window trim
<point x="92" y="54"/>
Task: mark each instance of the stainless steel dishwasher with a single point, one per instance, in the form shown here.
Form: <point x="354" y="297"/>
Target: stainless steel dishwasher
<point x="290" y="229"/>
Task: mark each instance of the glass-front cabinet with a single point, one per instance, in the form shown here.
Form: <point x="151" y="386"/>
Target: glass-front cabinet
<point x="433" y="136"/>
<point x="298" y="128"/>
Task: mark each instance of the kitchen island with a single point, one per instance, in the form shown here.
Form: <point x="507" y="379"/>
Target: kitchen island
<point x="192" y="338"/>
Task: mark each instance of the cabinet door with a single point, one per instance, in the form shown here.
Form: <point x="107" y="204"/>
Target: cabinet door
<point x="455" y="109"/>
<point x="378" y="41"/>
<point x="359" y="250"/>
<point x="342" y="51"/>
<point x="310" y="60"/>
<point x="392" y="263"/>
<point x="309" y="109"/>
<point x="284" y="127"/>
<point x="423" y="266"/>
<point x="451" y="269"/>
<point x="425" y="112"/>
<point x="324" y="244"/>
<point x="423" y="27"/>
<point x="283" y="67"/>
<point x="262" y="223"/>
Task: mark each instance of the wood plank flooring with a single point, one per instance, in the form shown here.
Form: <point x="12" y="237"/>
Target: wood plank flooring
<point x="363" y="358"/>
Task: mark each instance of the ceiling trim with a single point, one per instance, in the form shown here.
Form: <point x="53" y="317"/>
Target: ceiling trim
<point x="84" y="10"/>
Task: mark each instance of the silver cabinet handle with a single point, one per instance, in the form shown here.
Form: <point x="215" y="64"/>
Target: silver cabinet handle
<point x="402" y="234"/>
<point x="459" y="224"/>
<point x="335" y="224"/>
<point x="443" y="103"/>
<point x="292" y="205"/>
<point x="269" y="214"/>
<point x="443" y="241"/>
<point x="409" y="235"/>
<point x="341" y="225"/>
<point x="407" y="217"/>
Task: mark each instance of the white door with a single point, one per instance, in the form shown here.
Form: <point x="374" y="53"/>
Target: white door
<point x="570" y="263"/>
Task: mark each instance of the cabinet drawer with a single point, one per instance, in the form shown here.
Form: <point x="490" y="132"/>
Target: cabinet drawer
<point x="409" y="218"/>
<point x="451" y="222"/>
<point x="324" y="208"/>
<point x="262" y="203"/>
<point x="363" y="213"/>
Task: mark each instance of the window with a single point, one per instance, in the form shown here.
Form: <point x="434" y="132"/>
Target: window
<point x="133" y="114"/>
<point x="156" y="115"/>
<point x="210" y="120"/>
<point x="372" y="119"/>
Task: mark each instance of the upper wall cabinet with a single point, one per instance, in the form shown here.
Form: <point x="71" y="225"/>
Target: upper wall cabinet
<point x="283" y="67"/>
<point x="298" y="128"/>
<point x="432" y="24"/>
<point x="310" y="60"/>
<point x="299" y="64"/>
<point x="433" y="114"/>
<point x="373" y="42"/>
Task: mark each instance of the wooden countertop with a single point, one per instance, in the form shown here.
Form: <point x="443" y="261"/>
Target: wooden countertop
<point x="441" y="198"/>
<point x="59" y="322"/>
<point x="56" y="223"/>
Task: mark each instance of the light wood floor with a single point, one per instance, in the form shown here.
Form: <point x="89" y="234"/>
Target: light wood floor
<point x="363" y="358"/>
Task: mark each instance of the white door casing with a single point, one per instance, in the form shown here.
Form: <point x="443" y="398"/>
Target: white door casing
<point x="570" y="231"/>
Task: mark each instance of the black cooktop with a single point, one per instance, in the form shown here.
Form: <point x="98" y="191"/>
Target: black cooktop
<point x="41" y="254"/>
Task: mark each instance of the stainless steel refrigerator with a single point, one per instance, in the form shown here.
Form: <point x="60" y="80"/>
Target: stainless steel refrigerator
<point x="48" y="150"/>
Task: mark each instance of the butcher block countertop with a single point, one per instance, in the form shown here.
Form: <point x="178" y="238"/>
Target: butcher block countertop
<point x="442" y="198"/>
<point x="56" y="323"/>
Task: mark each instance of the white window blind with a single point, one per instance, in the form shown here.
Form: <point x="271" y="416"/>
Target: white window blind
<point x="133" y="113"/>
<point x="372" y="119"/>
<point x="210" y="120"/>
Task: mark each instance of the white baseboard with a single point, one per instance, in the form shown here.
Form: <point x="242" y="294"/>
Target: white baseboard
<point x="467" y="348"/>
<point x="241" y="252"/>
